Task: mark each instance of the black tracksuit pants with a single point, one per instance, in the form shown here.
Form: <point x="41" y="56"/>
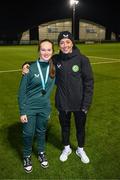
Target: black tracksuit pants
<point x="80" y="119"/>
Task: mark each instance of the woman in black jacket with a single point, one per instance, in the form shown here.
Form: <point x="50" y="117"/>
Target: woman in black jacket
<point x="74" y="80"/>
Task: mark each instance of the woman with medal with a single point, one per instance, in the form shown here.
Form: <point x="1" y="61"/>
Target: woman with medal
<point x="34" y="103"/>
<point x="74" y="92"/>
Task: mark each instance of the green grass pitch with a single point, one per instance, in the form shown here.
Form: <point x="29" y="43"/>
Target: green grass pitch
<point x="102" y="127"/>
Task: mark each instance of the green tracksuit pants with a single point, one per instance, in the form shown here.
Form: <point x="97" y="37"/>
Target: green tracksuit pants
<point x="36" y="124"/>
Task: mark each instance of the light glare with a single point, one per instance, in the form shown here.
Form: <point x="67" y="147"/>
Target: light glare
<point x="74" y="2"/>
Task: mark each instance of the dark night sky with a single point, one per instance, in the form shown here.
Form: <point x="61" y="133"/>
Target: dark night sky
<point x="16" y="17"/>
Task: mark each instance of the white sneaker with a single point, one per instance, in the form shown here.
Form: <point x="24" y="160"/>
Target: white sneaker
<point x="83" y="156"/>
<point x="65" y="154"/>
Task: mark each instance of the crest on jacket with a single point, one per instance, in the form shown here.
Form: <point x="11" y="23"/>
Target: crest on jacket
<point x="75" y="68"/>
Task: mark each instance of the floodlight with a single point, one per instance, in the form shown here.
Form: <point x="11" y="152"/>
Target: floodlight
<point x="74" y="2"/>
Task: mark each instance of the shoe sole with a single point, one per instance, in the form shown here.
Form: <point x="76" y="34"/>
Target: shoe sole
<point x="28" y="171"/>
<point x="44" y="166"/>
<point x="81" y="158"/>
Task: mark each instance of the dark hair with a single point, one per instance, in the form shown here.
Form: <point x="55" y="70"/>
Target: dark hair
<point x="45" y="40"/>
<point x="52" y="66"/>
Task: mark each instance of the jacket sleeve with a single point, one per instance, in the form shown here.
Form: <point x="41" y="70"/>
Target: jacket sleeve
<point x="88" y="83"/>
<point x="22" y="94"/>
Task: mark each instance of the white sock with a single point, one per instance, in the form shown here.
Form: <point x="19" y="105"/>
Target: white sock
<point x="41" y="152"/>
<point x="80" y="149"/>
<point x="67" y="148"/>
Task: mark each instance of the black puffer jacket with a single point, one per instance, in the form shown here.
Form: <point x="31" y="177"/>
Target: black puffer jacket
<point x="74" y="80"/>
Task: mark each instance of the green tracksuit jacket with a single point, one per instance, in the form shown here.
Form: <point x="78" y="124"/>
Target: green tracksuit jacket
<point x="30" y="98"/>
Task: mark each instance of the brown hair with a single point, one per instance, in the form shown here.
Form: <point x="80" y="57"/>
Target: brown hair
<point x="52" y="66"/>
<point x="52" y="69"/>
<point x="45" y="40"/>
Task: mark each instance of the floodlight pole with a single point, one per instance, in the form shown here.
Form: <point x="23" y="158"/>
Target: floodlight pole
<point x="73" y="3"/>
<point x="73" y="21"/>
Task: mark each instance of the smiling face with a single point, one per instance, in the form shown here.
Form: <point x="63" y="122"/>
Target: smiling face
<point x="66" y="45"/>
<point x="46" y="50"/>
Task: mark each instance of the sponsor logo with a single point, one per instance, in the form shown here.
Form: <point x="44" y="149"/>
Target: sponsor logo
<point x="59" y="66"/>
<point x="65" y="36"/>
<point x="36" y="75"/>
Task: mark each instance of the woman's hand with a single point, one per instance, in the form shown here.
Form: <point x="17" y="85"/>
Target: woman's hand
<point x="25" y="69"/>
<point x="23" y="119"/>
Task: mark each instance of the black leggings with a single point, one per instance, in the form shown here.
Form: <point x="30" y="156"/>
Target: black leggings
<point x="80" y="119"/>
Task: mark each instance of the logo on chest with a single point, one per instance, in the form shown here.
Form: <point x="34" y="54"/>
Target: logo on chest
<point x="75" y="68"/>
<point x="36" y="75"/>
<point x="58" y="66"/>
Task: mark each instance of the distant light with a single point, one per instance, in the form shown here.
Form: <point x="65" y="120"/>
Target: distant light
<point x="74" y="2"/>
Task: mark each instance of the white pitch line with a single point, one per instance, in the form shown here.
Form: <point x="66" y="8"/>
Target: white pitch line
<point x="106" y="62"/>
<point x="103" y="58"/>
<point x="112" y="60"/>
<point x="14" y="70"/>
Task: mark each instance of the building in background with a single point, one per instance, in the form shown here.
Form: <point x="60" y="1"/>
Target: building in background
<point x="88" y="31"/>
